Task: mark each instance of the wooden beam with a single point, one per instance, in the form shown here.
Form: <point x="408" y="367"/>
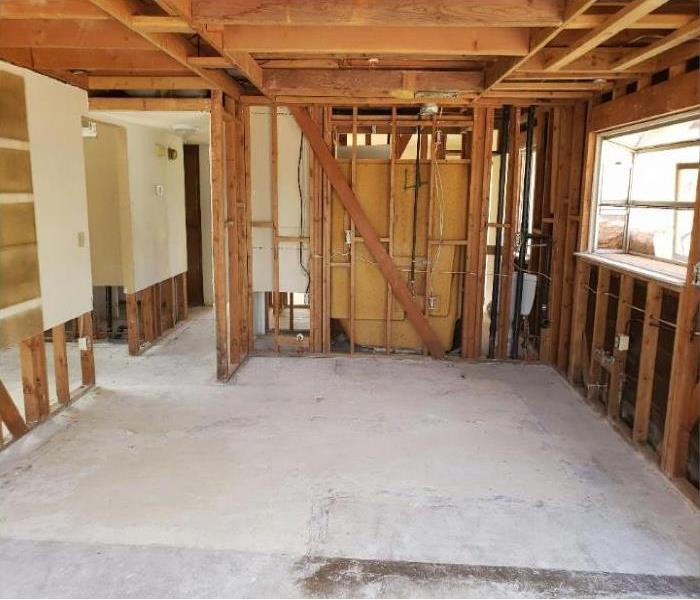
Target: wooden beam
<point x="158" y="24"/>
<point x="678" y="94"/>
<point x="145" y="104"/>
<point x="363" y="225"/>
<point x="465" y="13"/>
<point x="624" y="311"/>
<point x="611" y="26"/>
<point x="60" y="363"/>
<point x="178" y="48"/>
<point x="218" y="203"/>
<point x="55" y="9"/>
<point x="32" y="354"/>
<point x="546" y="86"/>
<point x="647" y="360"/>
<point x="95" y="82"/>
<point x="678" y="37"/>
<point x="368" y="83"/>
<point x="182" y="301"/>
<point x="599" y="318"/>
<point x="87" y="356"/>
<point x="210" y="62"/>
<point x="52" y="33"/>
<point x="64" y="59"/>
<point x="9" y="415"/>
<point x="132" y="324"/>
<point x="424" y="41"/>
<point x="652" y="21"/>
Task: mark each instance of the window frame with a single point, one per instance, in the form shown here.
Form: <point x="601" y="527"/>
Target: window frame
<point x="629" y="203"/>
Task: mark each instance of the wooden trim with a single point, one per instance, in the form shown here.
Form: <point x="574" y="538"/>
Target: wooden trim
<point x="60" y="363"/>
<point x="365" y="228"/>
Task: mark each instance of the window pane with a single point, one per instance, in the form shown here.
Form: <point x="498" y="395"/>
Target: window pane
<point x="687" y="184"/>
<point x="654" y="173"/>
<point x="651" y="231"/>
<point x="611" y="228"/>
<point x="684" y="227"/>
<point x="615" y="166"/>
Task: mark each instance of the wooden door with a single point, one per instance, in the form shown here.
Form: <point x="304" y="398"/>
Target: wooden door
<point x="193" y="219"/>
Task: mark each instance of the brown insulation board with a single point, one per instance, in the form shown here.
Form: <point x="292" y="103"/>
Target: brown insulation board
<point x="20" y="294"/>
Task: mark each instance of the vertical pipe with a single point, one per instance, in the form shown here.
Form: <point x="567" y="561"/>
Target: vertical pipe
<point x="502" y="152"/>
<point x="524" y="226"/>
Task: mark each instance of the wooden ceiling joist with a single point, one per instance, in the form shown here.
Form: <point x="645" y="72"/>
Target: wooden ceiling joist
<point x="172" y="44"/>
<point x="400" y="84"/>
<point x="672" y="40"/>
<point x="428" y="41"/>
<point x="652" y="21"/>
<point x="70" y="59"/>
<point x="51" y="9"/>
<point x="465" y="13"/>
<point x="147" y="83"/>
<point x="52" y="33"/>
<point x="631" y="13"/>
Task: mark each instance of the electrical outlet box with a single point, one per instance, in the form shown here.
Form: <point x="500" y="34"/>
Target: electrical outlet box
<point x="433" y="302"/>
<point x="160" y="190"/>
<point x="348" y="236"/>
<point x="81" y="239"/>
<point x="622" y="342"/>
<point x="83" y="344"/>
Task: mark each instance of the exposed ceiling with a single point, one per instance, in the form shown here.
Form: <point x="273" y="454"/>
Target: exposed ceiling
<point x="407" y="51"/>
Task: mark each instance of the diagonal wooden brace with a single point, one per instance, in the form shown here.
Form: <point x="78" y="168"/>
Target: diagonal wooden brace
<point x="10" y="415"/>
<point x="363" y="225"/>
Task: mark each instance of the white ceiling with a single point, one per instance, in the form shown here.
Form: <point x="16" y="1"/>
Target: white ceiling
<point x="197" y="122"/>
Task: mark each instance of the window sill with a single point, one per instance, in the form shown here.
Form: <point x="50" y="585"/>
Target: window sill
<point x="668" y="274"/>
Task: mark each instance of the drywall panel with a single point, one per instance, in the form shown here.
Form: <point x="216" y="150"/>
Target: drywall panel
<point x="107" y="181"/>
<point x="54" y="112"/>
<point x="292" y="194"/>
<point x="157" y="205"/>
<point x="205" y="210"/>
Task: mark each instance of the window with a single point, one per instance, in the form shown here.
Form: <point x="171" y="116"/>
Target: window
<point x="647" y="189"/>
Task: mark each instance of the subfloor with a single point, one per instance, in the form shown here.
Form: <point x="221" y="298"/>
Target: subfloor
<point x="334" y="477"/>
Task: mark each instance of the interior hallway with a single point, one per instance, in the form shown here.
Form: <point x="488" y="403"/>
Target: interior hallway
<point x="334" y="476"/>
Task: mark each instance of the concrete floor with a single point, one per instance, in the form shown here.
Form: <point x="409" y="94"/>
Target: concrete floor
<point x="334" y="477"/>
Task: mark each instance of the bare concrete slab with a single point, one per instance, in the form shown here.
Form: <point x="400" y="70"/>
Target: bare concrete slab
<point x="334" y="476"/>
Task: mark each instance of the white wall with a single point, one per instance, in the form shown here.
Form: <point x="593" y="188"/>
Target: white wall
<point x="205" y="208"/>
<point x="54" y="112"/>
<point x="158" y="231"/>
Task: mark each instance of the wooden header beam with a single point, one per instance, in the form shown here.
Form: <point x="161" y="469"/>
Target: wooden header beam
<point x="465" y="13"/>
<point x="429" y="41"/>
<point x="147" y="83"/>
<point x="402" y="84"/>
<point x="364" y="227"/>
<point x="166" y="104"/>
